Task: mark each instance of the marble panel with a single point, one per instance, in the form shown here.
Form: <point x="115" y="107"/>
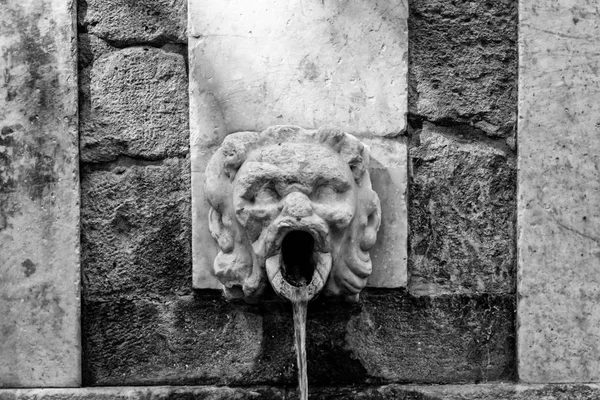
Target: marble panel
<point x="39" y="196"/>
<point x="559" y="192"/>
<point x="269" y="62"/>
<point x="266" y="62"/>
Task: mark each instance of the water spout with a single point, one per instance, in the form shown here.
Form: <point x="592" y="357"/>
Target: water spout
<point x="288" y="202"/>
<point x="291" y="203"/>
<point x="298" y="270"/>
<point x="298" y="256"/>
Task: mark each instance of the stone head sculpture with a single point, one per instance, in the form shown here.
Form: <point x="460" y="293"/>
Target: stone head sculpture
<point x="294" y="208"/>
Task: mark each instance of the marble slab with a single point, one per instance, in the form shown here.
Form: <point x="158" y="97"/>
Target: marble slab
<point x="266" y="62"/>
<point x="39" y="196"/>
<point x="270" y="62"/>
<point x="559" y="192"/>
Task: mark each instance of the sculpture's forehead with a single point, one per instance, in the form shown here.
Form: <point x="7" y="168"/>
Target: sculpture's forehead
<point x="303" y="159"/>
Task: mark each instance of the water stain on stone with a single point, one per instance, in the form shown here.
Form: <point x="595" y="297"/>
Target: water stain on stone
<point x="311" y="71"/>
<point x="28" y="154"/>
<point x="6" y="142"/>
<point x="29" y="267"/>
<point x="3" y="219"/>
<point x="46" y="310"/>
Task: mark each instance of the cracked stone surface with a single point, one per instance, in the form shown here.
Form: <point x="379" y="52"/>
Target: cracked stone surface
<point x="559" y="192"/>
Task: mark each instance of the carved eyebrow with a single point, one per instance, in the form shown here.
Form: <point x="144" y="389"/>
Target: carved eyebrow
<point x="252" y="181"/>
<point x="338" y="183"/>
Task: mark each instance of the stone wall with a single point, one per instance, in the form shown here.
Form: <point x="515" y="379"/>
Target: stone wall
<point x="141" y="321"/>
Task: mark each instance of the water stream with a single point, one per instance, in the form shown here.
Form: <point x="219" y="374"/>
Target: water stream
<point x="299" y="305"/>
<point x="299" y="260"/>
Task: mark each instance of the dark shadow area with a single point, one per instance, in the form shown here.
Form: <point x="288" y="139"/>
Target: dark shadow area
<point x="391" y="336"/>
<point x="298" y="257"/>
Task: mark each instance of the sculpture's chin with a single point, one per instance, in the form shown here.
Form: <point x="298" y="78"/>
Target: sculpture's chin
<point x="291" y="290"/>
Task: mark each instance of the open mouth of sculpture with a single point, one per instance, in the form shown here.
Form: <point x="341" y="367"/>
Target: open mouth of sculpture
<point x="298" y="259"/>
<point x="298" y="268"/>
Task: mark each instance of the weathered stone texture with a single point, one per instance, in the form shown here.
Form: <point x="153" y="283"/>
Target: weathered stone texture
<point x="171" y="341"/>
<point x="390" y="337"/>
<point x="136" y="228"/>
<point x="398" y="392"/>
<point x="462" y="213"/>
<point x="135" y="105"/>
<point x="463" y="63"/>
<point x="130" y="22"/>
<point x="559" y="192"/>
<point x="39" y="196"/>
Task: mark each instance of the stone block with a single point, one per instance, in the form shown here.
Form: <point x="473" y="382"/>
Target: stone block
<point x="462" y="218"/>
<point x="39" y="196"/>
<point x="391" y="337"/>
<point x="501" y="391"/>
<point x="559" y="192"/>
<point x="463" y="63"/>
<point x="136" y="228"/>
<point x="126" y="23"/>
<point x="136" y="105"/>
<point x="171" y="341"/>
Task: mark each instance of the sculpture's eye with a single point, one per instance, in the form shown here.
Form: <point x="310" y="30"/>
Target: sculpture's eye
<point x="325" y="192"/>
<point x="267" y="195"/>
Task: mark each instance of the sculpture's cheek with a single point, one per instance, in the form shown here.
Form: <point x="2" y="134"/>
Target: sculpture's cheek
<point x="255" y="218"/>
<point x="233" y="268"/>
<point x="338" y="215"/>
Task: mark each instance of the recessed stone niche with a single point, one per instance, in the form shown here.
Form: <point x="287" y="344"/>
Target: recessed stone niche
<point x="258" y="64"/>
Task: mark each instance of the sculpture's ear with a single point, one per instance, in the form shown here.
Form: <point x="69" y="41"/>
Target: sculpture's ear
<point x="220" y="230"/>
<point x="352" y="150"/>
<point x="373" y="220"/>
<point x="234" y="150"/>
<point x="233" y="264"/>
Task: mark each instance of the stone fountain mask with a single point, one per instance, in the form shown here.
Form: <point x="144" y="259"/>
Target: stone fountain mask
<point x="294" y="208"/>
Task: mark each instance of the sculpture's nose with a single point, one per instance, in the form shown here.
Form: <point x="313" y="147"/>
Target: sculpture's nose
<point x="297" y="205"/>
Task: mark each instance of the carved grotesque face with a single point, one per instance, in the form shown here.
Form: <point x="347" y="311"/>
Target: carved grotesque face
<point x="294" y="208"/>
